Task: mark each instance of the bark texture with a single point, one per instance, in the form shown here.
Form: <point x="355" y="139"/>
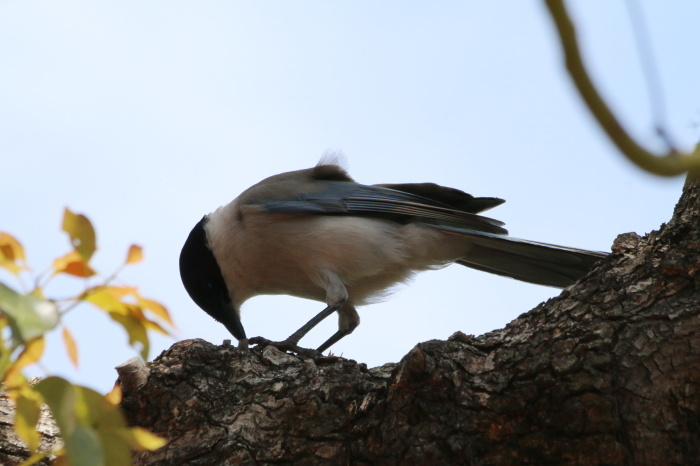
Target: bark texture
<point x="13" y="451"/>
<point x="606" y="373"/>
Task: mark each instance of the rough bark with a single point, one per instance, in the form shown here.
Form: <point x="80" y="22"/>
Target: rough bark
<point x="608" y="372"/>
<point x="13" y="451"/>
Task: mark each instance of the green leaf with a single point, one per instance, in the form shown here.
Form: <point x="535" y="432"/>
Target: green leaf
<point x="84" y="448"/>
<point x="29" y="316"/>
<point x="117" y="451"/>
<point x="93" y="428"/>
<point x="60" y="395"/>
<point x="94" y="409"/>
<point x="108" y="421"/>
<point x="81" y="232"/>
<point x="5" y="352"/>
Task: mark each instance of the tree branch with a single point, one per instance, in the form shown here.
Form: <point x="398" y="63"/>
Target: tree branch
<point x="672" y="163"/>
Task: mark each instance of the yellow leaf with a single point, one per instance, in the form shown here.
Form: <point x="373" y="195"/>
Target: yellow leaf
<point x="108" y="298"/>
<point x="135" y="254"/>
<point x="11" y="252"/>
<point x="10" y="248"/>
<point x="145" y="440"/>
<point x="13" y="382"/>
<point x="115" y="396"/>
<point x="71" y="347"/>
<point x="136" y="313"/>
<point x="31" y="353"/>
<point x="81" y="232"/>
<point x="156" y="308"/>
<point x="156" y="327"/>
<point x="27" y="410"/>
<point x="122" y="291"/>
<point x="73" y="264"/>
<point x="131" y="316"/>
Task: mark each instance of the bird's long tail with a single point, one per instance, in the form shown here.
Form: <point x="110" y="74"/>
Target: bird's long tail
<point x="528" y="261"/>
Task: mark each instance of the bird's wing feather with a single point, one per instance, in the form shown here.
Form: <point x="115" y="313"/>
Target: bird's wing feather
<point x="452" y="197"/>
<point x="344" y="198"/>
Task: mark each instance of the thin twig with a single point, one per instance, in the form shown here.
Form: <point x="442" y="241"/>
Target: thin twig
<point x="650" y="70"/>
<point x="83" y="296"/>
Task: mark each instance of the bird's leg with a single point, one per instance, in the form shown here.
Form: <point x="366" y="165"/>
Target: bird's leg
<point x="333" y="340"/>
<point x="336" y="295"/>
<point x="348" y="320"/>
<point x="291" y="343"/>
<point x="306" y="328"/>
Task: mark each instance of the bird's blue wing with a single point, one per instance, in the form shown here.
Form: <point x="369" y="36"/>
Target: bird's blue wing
<point x="345" y="198"/>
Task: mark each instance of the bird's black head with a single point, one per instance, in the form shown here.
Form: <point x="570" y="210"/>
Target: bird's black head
<point x="204" y="282"/>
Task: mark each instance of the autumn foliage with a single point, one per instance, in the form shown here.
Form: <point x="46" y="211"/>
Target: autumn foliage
<point x="92" y="425"/>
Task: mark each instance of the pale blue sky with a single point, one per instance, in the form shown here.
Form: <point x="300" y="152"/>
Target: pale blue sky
<point x="147" y="115"/>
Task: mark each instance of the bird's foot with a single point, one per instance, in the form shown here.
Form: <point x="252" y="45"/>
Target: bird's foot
<point x="286" y="345"/>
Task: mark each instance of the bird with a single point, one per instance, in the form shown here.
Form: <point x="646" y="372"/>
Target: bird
<point x="317" y="234"/>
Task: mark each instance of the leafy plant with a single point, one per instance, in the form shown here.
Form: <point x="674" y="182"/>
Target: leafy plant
<point x="92" y="425"/>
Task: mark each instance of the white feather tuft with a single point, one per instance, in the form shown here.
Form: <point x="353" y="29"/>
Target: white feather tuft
<point x="331" y="157"/>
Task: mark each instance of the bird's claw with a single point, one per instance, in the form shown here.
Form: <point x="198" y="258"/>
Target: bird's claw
<point x="286" y="345"/>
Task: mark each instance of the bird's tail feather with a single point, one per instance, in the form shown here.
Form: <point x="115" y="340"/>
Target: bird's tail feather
<point x="528" y="261"/>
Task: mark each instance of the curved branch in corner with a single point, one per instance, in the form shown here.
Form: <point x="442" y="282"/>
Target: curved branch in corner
<point x="672" y="163"/>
